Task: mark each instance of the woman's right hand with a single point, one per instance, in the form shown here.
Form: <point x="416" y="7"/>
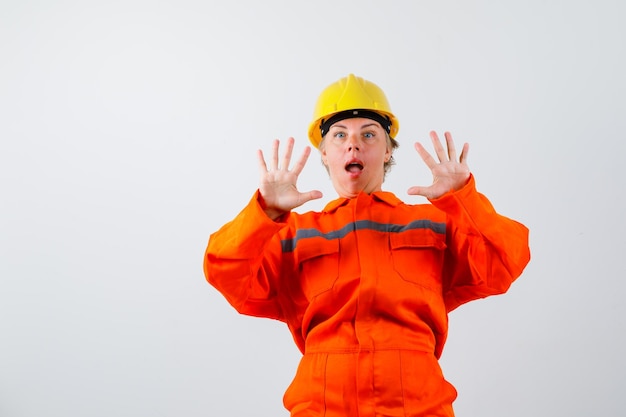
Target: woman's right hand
<point x="278" y="183"/>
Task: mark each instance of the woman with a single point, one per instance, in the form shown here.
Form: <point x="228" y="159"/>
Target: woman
<point x="365" y="285"/>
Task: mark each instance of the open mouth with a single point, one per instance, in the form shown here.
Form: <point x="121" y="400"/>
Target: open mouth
<point x="354" y="166"/>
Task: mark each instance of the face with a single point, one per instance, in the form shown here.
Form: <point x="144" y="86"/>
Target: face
<point x="355" y="151"/>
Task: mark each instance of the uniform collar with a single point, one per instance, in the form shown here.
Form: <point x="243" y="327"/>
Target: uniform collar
<point x="383" y="196"/>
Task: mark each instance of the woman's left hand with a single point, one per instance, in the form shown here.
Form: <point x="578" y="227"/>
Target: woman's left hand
<point x="448" y="174"/>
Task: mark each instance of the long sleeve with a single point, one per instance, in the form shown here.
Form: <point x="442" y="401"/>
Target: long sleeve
<point x="241" y="261"/>
<point x="486" y="251"/>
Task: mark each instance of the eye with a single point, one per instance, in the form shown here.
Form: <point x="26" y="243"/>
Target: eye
<point x="339" y="135"/>
<point x="368" y="135"/>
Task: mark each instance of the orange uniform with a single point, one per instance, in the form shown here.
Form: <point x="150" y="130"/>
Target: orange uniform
<point x="365" y="287"/>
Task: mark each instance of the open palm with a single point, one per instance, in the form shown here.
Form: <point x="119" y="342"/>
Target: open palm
<point x="277" y="183"/>
<point x="448" y="173"/>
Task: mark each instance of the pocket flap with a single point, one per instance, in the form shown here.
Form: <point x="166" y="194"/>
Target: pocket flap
<point x="418" y="238"/>
<point x="310" y="248"/>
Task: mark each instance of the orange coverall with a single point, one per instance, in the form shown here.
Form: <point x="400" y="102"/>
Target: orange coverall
<point x="365" y="287"/>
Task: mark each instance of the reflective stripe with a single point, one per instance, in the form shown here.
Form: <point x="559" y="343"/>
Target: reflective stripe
<point x="289" y="245"/>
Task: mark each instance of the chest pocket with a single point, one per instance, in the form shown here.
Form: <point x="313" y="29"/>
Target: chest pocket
<point x="417" y="257"/>
<point x="318" y="261"/>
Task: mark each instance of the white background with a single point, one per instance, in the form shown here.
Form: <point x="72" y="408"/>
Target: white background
<point x="128" y="134"/>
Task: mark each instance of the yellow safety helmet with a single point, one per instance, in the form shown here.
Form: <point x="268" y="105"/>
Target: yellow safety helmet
<point x="349" y="97"/>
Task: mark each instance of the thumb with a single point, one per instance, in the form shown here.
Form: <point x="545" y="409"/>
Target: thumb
<point x="310" y="195"/>
<point x="418" y="190"/>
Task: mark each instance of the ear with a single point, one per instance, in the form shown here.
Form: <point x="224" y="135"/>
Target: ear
<point x="388" y="154"/>
<point x="323" y="153"/>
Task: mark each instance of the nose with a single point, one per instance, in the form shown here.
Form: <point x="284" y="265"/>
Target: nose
<point x="353" y="143"/>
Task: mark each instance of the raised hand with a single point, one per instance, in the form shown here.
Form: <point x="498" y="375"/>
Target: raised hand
<point x="278" y="183"/>
<point x="448" y="174"/>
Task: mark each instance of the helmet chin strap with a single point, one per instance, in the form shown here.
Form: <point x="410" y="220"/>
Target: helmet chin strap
<point x="351" y="114"/>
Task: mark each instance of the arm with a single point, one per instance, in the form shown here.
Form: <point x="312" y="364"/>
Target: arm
<point x="486" y="251"/>
<point x="244" y="257"/>
<point x="241" y="261"/>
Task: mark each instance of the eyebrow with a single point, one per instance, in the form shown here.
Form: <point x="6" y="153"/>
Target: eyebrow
<point x="362" y="127"/>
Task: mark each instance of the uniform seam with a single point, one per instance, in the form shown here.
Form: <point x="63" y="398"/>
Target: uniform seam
<point x="325" y="383"/>
<point x="402" y="381"/>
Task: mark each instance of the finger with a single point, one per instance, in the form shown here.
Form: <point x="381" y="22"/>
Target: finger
<point x="441" y="153"/>
<point x="287" y="156"/>
<point x="451" y="147"/>
<point x="262" y="164"/>
<point x="310" y="195"/>
<point x="431" y="192"/>
<point x="275" y="145"/>
<point x="417" y="190"/>
<point x="464" y="153"/>
<point x="299" y="165"/>
<point x="425" y="155"/>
